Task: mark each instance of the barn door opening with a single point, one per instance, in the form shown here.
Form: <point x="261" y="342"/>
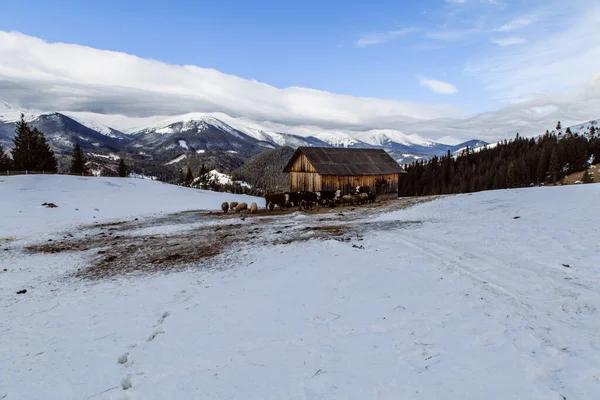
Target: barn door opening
<point x="381" y="187"/>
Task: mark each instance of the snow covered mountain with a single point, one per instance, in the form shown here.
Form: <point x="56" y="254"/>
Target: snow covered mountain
<point x="213" y="138"/>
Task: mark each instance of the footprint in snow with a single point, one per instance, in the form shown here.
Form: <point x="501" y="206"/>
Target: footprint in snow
<point x="164" y="316"/>
<point x="123" y="358"/>
<point x="126" y="383"/>
<point x="155" y="334"/>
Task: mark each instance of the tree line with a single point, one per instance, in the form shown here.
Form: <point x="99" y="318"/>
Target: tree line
<point x="512" y="163"/>
<point x="31" y="152"/>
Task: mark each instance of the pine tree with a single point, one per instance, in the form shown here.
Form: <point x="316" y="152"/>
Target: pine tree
<point x="31" y="152"/>
<point x="554" y="167"/>
<point x="204" y="177"/>
<point x="511" y="176"/>
<point x="558" y="126"/>
<point x="189" y="177"/>
<point x="21" y="153"/>
<point x="587" y="178"/>
<point x="181" y="177"/>
<point x="5" y="161"/>
<point x="122" y="168"/>
<point x="592" y="131"/>
<point x="542" y="167"/>
<point x="44" y="159"/>
<point x="568" y="131"/>
<point x="78" y="161"/>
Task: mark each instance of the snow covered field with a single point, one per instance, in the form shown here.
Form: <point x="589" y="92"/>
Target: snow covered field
<point x="450" y="299"/>
<point x="90" y="199"/>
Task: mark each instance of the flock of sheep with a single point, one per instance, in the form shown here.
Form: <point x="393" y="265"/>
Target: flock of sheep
<point x="305" y="200"/>
<point x="239" y="207"/>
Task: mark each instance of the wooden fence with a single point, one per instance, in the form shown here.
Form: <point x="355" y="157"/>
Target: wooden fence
<point x="8" y="173"/>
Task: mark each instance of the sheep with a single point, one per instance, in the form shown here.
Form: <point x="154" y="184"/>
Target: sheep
<point x="225" y="206"/>
<point x="364" y="198"/>
<point x="233" y="205"/>
<point x="253" y="208"/>
<point x="241" y="207"/>
<point x="347" y="199"/>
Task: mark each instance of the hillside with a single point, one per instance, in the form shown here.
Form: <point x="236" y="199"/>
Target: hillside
<point x="265" y="170"/>
<point x="479" y="304"/>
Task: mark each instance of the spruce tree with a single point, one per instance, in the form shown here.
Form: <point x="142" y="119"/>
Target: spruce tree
<point x="44" y="159"/>
<point x="122" y="168"/>
<point x="31" y="152"/>
<point x="78" y="161"/>
<point x="5" y="161"/>
<point x="554" y="167"/>
<point x="204" y="177"/>
<point x="22" y="146"/>
<point x="558" y="126"/>
<point x="189" y="177"/>
<point x="181" y="177"/>
<point x="511" y="176"/>
<point x="592" y="131"/>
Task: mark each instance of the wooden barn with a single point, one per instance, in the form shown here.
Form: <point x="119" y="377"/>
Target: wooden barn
<point x="332" y="168"/>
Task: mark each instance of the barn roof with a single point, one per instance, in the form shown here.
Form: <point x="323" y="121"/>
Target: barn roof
<point x="343" y="161"/>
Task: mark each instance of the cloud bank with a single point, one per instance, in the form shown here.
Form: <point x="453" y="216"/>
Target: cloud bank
<point x="78" y="78"/>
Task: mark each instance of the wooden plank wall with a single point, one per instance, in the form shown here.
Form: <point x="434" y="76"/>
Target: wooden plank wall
<point x="302" y="165"/>
<point x="312" y="182"/>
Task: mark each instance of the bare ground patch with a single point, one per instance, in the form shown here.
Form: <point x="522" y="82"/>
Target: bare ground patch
<point x="120" y="248"/>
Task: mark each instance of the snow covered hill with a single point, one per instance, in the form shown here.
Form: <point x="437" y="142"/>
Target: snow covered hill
<point x="430" y="302"/>
<point x="92" y="199"/>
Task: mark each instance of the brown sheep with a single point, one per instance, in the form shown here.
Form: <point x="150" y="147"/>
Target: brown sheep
<point x="364" y="198"/>
<point x="241" y="207"/>
<point x="225" y="206"/>
<point x="253" y="208"/>
<point x="347" y="199"/>
<point x="233" y="205"/>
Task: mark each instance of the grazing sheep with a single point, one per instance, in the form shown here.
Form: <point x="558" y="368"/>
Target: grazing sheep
<point x="233" y="205"/>
<point x="241" y="207"/>
<point x="347" y="199"/>
<point x="364" y="198"/>
<point x="225" y="206"/>
<point x="253" y="208"/>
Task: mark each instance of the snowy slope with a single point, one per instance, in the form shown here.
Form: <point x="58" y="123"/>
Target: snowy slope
<point x="91" y="123"/>
<point x="435" y="302"/>
<point x="90" y="199"/>
<point x="584" y="128"/>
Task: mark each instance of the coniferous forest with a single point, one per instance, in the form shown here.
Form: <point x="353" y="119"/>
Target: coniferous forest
<point x="519" y="162"/>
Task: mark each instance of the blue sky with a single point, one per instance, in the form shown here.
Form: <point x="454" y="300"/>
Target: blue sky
<point x="474" y="55"/>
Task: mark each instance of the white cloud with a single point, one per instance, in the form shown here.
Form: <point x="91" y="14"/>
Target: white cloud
<point x="382" y="37"/>
<point x="514" y="25"/>
<point x="78" y="78"/>
<point x="508" y="41"/>
<point x="559" y="59"/>
<point x="440" y="87"/>
<point x="453" y="35"/>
